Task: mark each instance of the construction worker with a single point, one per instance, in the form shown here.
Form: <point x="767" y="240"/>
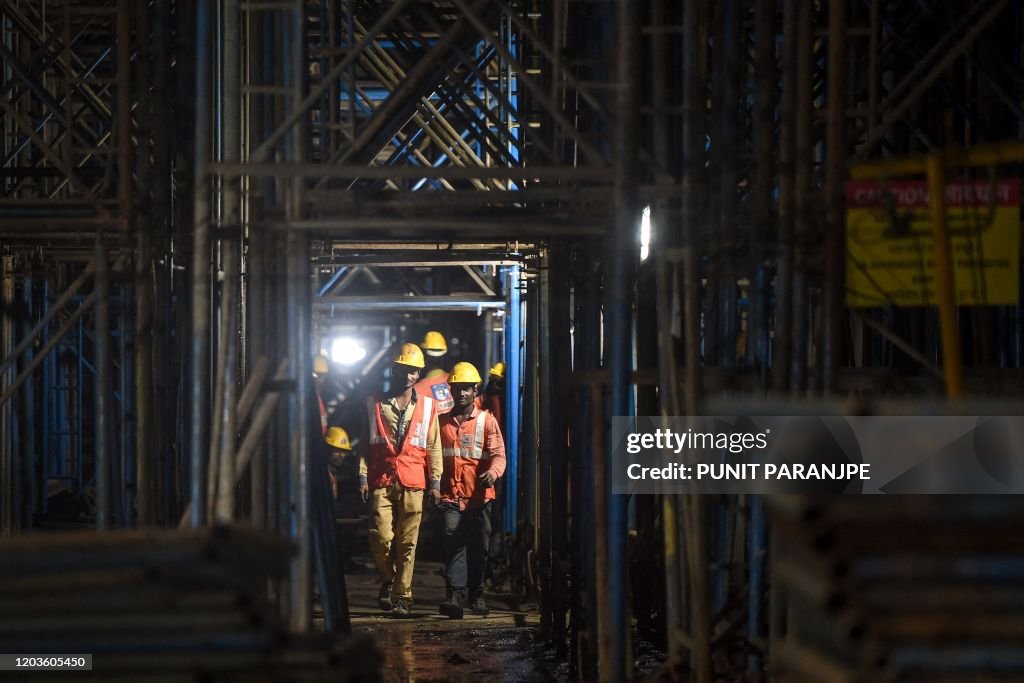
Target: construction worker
<point x="435" y="384"/>
<point x="494" y="395"/>
<point x="401" y="459"/>
<point x="435" y="346"/>
<point x="321" y="368"/>
<point x="474" y="458"/>
<point x="339" y="452"/>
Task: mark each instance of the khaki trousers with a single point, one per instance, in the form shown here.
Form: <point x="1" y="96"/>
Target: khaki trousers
<point x="395" y="514"/>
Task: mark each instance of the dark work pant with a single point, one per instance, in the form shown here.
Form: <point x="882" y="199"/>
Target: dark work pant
<point x="467" y="540"/>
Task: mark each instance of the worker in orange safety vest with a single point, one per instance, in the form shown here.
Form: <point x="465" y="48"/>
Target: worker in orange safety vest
<point x="474" y="458"/>
<point x="400" y="460"/>
<point x="494" y="394"/>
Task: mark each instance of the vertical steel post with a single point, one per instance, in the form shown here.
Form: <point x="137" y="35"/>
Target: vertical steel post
<point x="546" y="446"/>
<point x="257" y="276"/>
<point x="765" y="73"/>
<point x="694" y="108"/>
<point x="952" y="362"/>
<point x="122" y="469"/>
<point x="694" y="111"/>
<point x="756" y="555"/>
<point x="802" y="191"/>
<point x="31" y="454"/>
<point x="835" y="157"/>
<point x="513" y="379"/>
<point x="665" y="233"/>
<point x="162" y="435"/>
<point x="604" y="588"/>
<point x="124" y="116"/>
<point x="729" y="72"/>
<point x="584" y="488"/>
<point x="102" y="389"/>
<point x="782" y="343"/>
<point x="561" y="363"/>
<point x="231" y="217"/>
<point x="530" y="419"/>
<point x="300" y="352"/>
<point x="146" y="475"/>
<point x="6" y="410"/>
<point x="200" y="361"/>
<point x="618" y="313"/>
<point x="125" y="198"/>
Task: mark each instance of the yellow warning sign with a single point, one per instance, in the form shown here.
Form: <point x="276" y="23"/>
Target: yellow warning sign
<point x="890" y="255"/>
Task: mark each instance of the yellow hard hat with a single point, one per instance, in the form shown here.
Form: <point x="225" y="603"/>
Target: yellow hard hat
<point x="464" y="373"/>
<point x="498" y="370"/>
<point x="436" y="372"/>
<point x="337" y="437"/>
<point x="320" y="365"/>
<point x="434" y="343"/>
<point x="410" y="354"/>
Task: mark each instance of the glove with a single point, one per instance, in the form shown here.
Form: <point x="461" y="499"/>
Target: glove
<point x="487" y="479"/>
<point x="364" y="492"/>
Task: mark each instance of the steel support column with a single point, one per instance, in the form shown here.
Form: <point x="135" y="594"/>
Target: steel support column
<point x="618" y="314"/>
<point x="513" y="386"/>
<point x="835" y="155"/>
<point x="101" y="424"/>
<point x="200" y="329"/>
<point x="6" y="381"/>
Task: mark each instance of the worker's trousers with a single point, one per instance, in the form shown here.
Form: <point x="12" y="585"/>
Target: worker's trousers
<point x="395" y="514"/>
<point x="467" y="541"/>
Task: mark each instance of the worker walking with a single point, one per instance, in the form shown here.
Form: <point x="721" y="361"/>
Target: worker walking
<point x="435" y="346"/>
<point x="401" y="460"/>
<point x="474" y="458"/>
<point x="321" y="368"/>
<point x="494" y="394"/>
<point x="342" y="472"/>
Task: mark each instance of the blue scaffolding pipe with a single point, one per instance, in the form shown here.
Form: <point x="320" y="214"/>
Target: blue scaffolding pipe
<point x="720" y="554"/>
<point x="31" y="453"/>
<point x="332" y="281"/>
<point x="513" y="375"/>
<point x="756" y="535"/>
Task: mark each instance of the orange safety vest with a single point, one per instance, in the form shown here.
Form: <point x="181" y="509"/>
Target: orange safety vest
<point x="463" y="449"/>
<point x="410" y="463"/>
<point x="438" y="389"/>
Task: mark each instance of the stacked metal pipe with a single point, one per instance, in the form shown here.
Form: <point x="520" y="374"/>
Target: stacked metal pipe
<point x="165" y="605"/>
<point x="905" y="588"/>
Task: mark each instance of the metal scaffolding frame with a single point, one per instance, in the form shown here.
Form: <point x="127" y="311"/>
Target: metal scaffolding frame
<point x="220" y="184"/>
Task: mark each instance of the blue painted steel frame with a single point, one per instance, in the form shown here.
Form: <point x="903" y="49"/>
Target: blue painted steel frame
<point x="513" y="379"/>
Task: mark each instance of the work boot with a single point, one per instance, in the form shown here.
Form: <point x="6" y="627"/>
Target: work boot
<point x="402" y="609"/>
<point x="384" y="597"/>
<point x="479" y="606"/>
<point x="452" y="606"/>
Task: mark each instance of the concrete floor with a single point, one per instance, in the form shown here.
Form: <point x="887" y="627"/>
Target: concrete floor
<point x="431" y="647"/>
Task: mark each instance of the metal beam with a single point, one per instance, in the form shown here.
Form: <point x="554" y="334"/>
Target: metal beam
<point x="317" y="91"/>
<point x="552" y="174"/>
<point x="922" y="84"/>
<point x="417" y="303"/>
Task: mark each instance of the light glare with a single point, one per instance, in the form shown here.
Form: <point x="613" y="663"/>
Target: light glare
<point x="346" y="351"/>
<point x="645" y="233"/>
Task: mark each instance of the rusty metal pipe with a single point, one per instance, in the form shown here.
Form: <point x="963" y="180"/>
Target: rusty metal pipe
<point x="952" y="362"/>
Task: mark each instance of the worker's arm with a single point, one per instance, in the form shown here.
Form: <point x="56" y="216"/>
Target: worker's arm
<point x="494" y="446"/>
<point x="434" y="460"/>
<point x="363" y="448"/>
